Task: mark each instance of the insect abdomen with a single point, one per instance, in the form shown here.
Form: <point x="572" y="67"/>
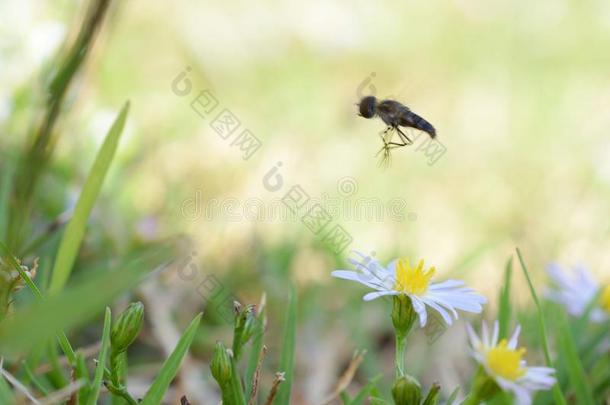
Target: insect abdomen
<point x="410" y="119"/>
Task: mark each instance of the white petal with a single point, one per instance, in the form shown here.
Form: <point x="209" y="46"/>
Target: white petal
<point x="446" y="284"/>
<point x="420" y="308"/>
<point x="512" y="343"/>
<point x="438" y="309"/>
<point x="443" y="303"/>
<point x="453" y="302"/>
<point x="475" y="342"/>
<point x="495" y="334"/>
<point x="372" y="295"/>
<point x="485" y="334"/>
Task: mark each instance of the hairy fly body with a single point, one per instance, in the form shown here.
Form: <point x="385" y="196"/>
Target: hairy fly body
<point x="395" y="115"/>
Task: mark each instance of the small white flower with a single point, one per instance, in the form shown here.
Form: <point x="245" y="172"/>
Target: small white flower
<point x="399" y="278"/>
<point x="576" y="291"/>
<point x="503" y="362"/>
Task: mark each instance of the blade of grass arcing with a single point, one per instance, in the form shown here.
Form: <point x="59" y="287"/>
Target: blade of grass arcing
<point x="37" y="322"/>
<point x="41" y="144"/>
<point x="576" y="372"/>
<point x="256" y="352"/>
<point x="363" y="394"/>
<point x="170" y="367"/>
<point x="453" y="396"/>
<point x="6" y="177"/>
<point x="62" y="339"/>
<point x="556" y="390"/>
<point x="82" y="373"/>
<point x="75" y="231"/>
<point x="6" y="394"/>
<point x="287" y="356"/>
<point x="504" y="308"/>
<point x="101" y="361"/>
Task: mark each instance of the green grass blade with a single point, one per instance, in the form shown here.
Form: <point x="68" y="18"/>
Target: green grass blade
<point x="75" y="231"/>
<point x="6" y="394"/>
<point x="504" y="307"/>
<point x="576" y="372"/>
<point x="256" y="351"/>
<point x="101" y="361"/>
<point x="453" y="396"/>
<point x="557" y="394"/>
<point x="364" y="393"/>
<point x="287" y="356"/>
<point x="6" y="176"/>
<point x="170" y="367"/>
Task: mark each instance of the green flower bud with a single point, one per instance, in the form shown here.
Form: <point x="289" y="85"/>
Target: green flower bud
<point x="403" y="314"/>
<point x="406" y="391"/>
<point x="432" y="396"/>
<point x="127" y="327"/>
<point x="221" y="365"/>
<point x="245" y="321"/>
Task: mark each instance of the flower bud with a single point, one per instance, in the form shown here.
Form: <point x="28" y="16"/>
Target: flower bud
<point x="127" y="327"/>
<point x="221" y="365"/>
<point x="245" y="321"/>
<point x="403" y="314"/>
<point x="406" y="391"/>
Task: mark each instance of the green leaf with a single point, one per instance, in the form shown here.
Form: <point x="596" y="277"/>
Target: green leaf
<point x="75" y="231"/>
<point x="287" y="356"/>
<point x="557" y="394"/>
<point x="170" y="367"/>
<point x="101" y="361"/>
<point x="576" y="372"/>
<point x="504" y="308"/>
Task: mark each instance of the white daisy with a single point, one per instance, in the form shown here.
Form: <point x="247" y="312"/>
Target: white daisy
<point x="576" y="291"/>
<point x="399" y="278"/>
<point x="504" y="363"/>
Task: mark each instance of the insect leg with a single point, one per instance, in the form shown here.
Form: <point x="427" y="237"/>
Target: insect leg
<point x="404" y="137"/>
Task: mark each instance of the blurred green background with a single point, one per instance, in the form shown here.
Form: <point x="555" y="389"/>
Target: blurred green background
<point x="518" y="92"/>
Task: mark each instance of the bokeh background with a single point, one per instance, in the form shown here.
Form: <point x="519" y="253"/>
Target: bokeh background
<point x="519" y="94"/>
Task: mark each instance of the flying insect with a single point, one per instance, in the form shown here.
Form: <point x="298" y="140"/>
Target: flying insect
<point x="394" y="115"/>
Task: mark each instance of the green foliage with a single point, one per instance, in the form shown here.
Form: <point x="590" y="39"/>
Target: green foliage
<point x="75" y="231"/>
<point x="170" y="367"/>
<point x="101" y="361"/>
<point x="557" y="394"/>
<point x="289" y="346"/>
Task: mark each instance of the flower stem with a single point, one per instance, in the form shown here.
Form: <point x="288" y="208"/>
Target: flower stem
<point x="401" y="345"/>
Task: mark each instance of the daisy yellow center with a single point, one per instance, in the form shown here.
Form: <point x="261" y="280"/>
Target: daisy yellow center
<point x="504" y="361"/>
<point x="412" y="280"/>
<point x="605" y="298"/>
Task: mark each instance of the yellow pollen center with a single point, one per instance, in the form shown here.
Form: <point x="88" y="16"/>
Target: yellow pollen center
<point x="412" y="280"/>
<point x="504" y="361"/>
<point x="605" y="298"/>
